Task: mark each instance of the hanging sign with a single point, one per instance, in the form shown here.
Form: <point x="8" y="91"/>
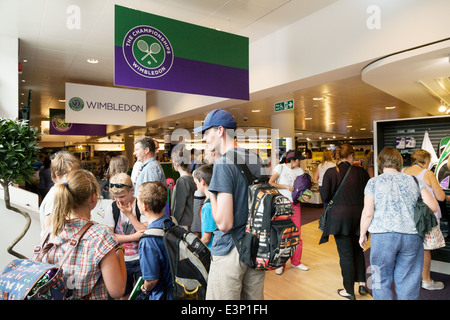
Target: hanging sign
<point x="105" y="105"/>
<point x="155" y="52"/>
<point x="59" y="126"/>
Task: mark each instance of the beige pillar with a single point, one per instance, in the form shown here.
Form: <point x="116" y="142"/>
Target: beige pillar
<point x="283" y="121"/>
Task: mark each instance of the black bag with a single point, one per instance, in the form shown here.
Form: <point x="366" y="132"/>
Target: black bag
<point x="189" y="260"/>
<point x="323" y="220"/>
<point x="424" y="217"/>
<point x="270" y="237"/>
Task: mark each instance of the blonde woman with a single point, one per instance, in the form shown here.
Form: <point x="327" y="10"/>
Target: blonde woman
<point x="326" y="163"/>
<point x="96" y="266"/>
<point x="118" y="164"/>
<point x="420" y="162"/>
<point x="61" y="163"/>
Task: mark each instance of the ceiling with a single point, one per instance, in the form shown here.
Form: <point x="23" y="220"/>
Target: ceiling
<point x="56" y="54"/>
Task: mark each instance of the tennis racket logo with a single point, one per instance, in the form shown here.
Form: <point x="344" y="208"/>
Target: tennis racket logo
<point x="148" y="51"/>
<point x="151" y="50"/>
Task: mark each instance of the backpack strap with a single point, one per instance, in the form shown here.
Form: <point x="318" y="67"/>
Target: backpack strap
<point x="340" y="185"/>
<point x="158" y="232"/>
<point x="73" y="243"/>
<point x="241" y="165"/>
<point x="153" y="232"/>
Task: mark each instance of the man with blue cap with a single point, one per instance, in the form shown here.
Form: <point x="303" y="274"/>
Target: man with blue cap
<point x="229" y="278"/>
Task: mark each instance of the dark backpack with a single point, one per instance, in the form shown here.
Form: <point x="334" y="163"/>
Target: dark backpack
<point x="271" y="236"/>
<point x="116" y="213"/>
<point x="189" y="261"/>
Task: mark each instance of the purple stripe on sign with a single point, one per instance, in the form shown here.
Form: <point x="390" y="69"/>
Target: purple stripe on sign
<point x="79" y="129"/>
<point x="187" y="76"/>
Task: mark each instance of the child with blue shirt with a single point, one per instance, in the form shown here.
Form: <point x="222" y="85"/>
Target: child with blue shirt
<point x="202" y="177"/>
<point x="152" y="253"/>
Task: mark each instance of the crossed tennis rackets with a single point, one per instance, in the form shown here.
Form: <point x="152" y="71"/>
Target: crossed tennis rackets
<point x="154" y="48"/>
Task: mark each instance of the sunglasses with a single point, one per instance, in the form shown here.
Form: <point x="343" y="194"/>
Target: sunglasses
<point x="118" y="185"/>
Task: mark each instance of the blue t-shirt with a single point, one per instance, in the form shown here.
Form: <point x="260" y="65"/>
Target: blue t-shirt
<point x="395" y="196"/>
<point x="155" y="262"/>
<point x="227" y="178"/>
<point x="208" y="223"/>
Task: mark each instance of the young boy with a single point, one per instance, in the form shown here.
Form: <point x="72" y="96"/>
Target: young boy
<point x="126" y="222"/>
<point x="202" y="177"/>
<point x="152" y="197"/>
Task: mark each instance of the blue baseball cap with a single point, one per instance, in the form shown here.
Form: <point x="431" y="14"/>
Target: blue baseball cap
<point x="217" y="118"/>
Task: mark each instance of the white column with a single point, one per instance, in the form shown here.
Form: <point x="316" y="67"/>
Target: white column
<point x="284" y="122"/>
<point x="9" y="77"/>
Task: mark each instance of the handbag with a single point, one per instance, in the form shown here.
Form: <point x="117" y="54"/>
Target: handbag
<point x="424" y="217"/>
<point x="32" y="279"/>
<point x="323" y="216"/>
<point x="434" y="239"/>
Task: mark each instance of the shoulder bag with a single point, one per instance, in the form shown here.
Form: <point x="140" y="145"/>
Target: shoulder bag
<point x="324" y="217"/>
<point x="32" y="279"/>
<point x="424" y="217"/>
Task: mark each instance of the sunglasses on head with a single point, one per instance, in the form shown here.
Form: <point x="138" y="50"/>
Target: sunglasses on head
<point x="118" y="185"/>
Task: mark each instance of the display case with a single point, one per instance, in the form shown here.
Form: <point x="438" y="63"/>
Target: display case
<point x="410" y="134"/>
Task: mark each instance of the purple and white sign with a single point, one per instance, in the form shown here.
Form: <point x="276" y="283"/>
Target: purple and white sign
<point x="59" y="126"/>
<point x="105" y="105"/>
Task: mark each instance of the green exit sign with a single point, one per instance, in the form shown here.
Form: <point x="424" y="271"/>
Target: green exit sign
<point x="284" y="105"/>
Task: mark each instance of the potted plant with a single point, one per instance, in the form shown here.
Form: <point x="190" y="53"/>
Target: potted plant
<point x="18" y="152"/>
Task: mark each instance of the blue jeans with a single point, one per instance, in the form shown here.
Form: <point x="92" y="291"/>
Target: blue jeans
<point x="398" y="258"/>
<point x="133" y="274"/>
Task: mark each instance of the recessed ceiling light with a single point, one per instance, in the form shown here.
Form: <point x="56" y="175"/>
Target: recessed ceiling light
<point x="308" y="118"/>
<point x="390" y="108"/>
<point x="23" y="80"/>
<point x="92" y="60"/>
<point x="362" y="129"/>
<point x="25" y="60"/>
<point x="62" y="100"/>
<point x="318" y="98"/>
<point x="442" y="108"/>
<point x="256" y="110"/>
<point x="349" y="126"/>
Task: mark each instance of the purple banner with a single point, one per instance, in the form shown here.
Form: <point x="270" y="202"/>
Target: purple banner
<point x="187" y="76"/>
<point x="59" y="126"/>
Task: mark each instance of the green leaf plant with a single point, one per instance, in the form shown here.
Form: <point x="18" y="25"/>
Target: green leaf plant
<point x="18" y="152"/>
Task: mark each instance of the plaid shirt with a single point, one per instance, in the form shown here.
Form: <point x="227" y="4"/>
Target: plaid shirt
<point x="82" y="268"/>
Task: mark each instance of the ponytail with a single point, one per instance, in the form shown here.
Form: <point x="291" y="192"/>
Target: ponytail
<point x="63" y="205"/>
<point x="79" y="186"/>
